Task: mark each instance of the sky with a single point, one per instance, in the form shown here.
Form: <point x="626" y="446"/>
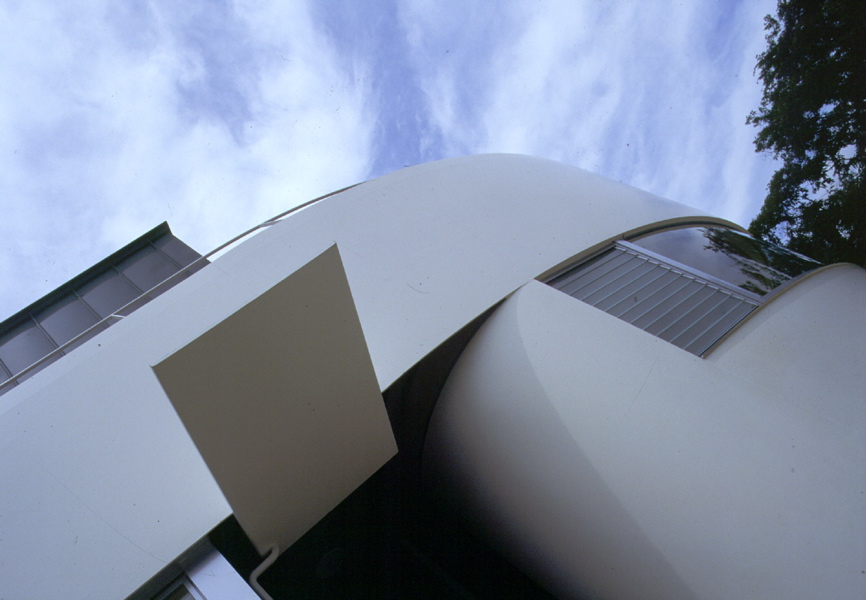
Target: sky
<point x="216" y="115"/>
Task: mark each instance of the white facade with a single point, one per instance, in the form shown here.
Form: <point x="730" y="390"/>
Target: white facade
<point x="597" y="457"/>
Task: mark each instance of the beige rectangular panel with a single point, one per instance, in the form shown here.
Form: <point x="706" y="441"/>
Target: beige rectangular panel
<point x="282" y="401"/>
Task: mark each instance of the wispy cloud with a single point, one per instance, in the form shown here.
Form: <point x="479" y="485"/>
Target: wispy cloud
<point x="215" y="115"/>
<point x="653" y="94"/>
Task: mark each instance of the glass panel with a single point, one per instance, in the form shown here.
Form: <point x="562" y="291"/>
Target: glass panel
<point x="176" y="250"/>
<point x="131" y="308"/>
<point x="5" y="383"/>
<point x="198" y="267"/>
<point x="23" y="346"/>
<point x="743" y="261"/>
<point x="684" y="309"/>
<point x="179" y="593"/>
<point x="29" y="374"/>
<point x="147" y="268"/>
<point x="66" y="319"/>
<point x="90" y="334"/>
<point x="108" y="292"/>
<point x="164" y="288"/>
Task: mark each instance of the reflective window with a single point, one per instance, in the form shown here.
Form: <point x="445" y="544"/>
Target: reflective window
<point x="91" y="333"/>
<point x="736" y="258"/>
<point x="108" y="292"/>
<point x="679" y="307"/>
<point x="42" y="365"/>
<point x="209" y="576"/>
<point x="179" y="593"/>
<point x="148" y="268"/>
<point x="66" y="319"/>
<point x="179" y="252"/>
<point x="23" y="346"/>
<point x="687" y="286"/>
<point x="99" y="293"/>
<point x="4" y="372"/>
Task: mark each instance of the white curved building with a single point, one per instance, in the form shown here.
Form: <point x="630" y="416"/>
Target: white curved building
<point x="552" y="384"/>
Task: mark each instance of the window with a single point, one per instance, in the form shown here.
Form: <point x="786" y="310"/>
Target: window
<point x="56" y="324"/>
<point x="207" y="575"/>
<point x="686" y="286"/>
<point x="730" y="256"/>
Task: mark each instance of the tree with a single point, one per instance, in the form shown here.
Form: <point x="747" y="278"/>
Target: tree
<point x="813" y="118"/>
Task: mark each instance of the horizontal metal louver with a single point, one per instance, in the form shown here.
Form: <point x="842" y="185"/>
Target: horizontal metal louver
<point x="675" y="304"/>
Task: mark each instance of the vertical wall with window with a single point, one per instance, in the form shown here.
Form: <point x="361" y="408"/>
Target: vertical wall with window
<point x="91" y="302"/>
<point x="688" y="286"/>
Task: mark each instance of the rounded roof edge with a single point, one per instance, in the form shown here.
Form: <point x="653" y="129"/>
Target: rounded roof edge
<point x="429" y="248"/>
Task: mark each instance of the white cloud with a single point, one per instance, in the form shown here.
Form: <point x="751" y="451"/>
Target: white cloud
<point x="653" y="94"/>
<point x="211" y="116"/>
<point x="217" y="115"/>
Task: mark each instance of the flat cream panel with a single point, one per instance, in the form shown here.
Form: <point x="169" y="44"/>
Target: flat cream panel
<point x="282" y="402"/>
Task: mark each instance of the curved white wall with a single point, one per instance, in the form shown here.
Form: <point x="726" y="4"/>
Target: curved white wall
<point x="606" y="461"/>
<point x="100" y="479"/>
<point x="427" y="249"/>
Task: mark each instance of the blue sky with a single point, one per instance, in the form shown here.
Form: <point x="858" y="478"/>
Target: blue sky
<point x="215" y="115"/>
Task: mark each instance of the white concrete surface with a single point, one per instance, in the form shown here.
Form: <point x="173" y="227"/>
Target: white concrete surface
<point x="102" y="485"/>
<point x="608" y="462"/>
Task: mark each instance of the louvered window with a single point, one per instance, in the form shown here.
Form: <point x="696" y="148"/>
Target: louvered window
<point x="676" y="302"/>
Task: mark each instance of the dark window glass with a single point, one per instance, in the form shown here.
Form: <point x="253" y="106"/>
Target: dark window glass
<point x="179" y="593"/>
<point x="134" y="306"/>
<point x="90" y="334"/>
<point x="23" y="346"/>
<point x="66" y="319"/>
<point x="730" y="256"/>
<point x="34" y="371"/>
<point x="147" y="268"/>
<point x="167" y="286"/>
<point x="75" y="307"/>
<point x="177" y="250"/>
<point x="108" y="292"/>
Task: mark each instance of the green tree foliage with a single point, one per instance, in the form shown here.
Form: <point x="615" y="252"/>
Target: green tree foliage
<point x="813" y="118"/>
